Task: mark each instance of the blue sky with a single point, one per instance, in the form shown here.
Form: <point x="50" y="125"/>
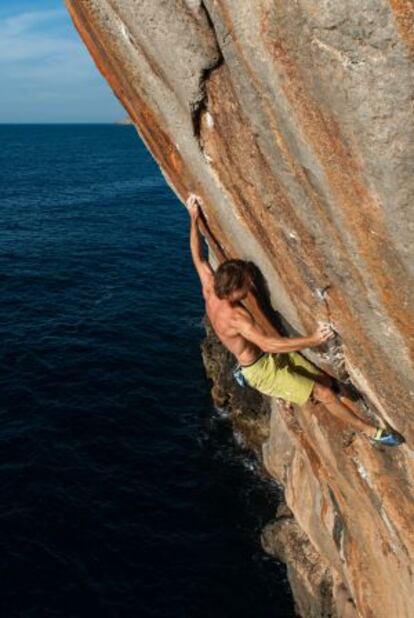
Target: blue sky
<point x="46" y="74"/>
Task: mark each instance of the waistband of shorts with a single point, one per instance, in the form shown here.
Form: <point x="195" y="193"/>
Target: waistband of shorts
<point x="254" y="362"/>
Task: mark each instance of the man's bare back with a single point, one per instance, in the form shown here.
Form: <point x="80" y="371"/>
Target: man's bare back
<point x="224" y="318"/>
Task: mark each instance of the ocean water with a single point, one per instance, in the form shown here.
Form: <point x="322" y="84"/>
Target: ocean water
<point x="122" y="491"/>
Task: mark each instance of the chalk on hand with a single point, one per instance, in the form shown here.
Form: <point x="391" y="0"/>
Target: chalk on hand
<point x="325" y="324"/>
<point x="193" y="200"/>
<point x="325" y="327"/>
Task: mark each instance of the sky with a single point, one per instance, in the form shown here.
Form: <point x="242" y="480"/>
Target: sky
<point x="46" y="74"/>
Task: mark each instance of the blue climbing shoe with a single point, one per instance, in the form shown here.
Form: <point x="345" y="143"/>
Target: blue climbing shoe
<point x="387" y="437"/>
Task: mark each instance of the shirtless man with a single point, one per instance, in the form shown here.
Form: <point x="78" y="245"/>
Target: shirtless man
<point x="270" y="364"/>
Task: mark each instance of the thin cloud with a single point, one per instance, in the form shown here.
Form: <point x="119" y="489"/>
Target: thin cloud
<point x="31" y="36"/>
<point x="44" y="68"/>
<point x="26" y="21"/>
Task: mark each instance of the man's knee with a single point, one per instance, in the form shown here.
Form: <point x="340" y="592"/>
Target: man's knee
<point x="323" y="393"/>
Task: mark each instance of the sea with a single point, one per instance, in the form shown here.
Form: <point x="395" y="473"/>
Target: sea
<point x="123" y="492"/>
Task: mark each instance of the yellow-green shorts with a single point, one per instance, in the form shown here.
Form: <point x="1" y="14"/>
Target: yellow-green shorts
<point x="288" y="376"/>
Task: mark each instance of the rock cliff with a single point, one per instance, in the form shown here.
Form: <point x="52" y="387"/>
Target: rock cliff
<point x="294" y="122"/>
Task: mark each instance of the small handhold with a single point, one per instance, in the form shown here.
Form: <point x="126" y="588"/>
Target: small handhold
<point x="320" y="293"/>
<point x="209" y="120"/>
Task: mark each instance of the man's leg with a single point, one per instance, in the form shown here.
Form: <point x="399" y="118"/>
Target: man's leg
<point x="345" y="412"/>
<point x="349" y="403"/>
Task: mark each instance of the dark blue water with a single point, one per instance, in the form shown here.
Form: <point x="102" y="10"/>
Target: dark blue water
<point x="122" y="492"/>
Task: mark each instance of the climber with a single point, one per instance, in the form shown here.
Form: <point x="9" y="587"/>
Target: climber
<point x="270" y="364"/>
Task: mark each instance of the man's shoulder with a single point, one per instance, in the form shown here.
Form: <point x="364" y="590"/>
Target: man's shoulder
<point x="242" y="314"/>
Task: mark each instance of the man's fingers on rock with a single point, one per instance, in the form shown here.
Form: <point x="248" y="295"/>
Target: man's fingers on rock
<point x="193" y="205"/>
<point x="197" y="198"/>
<point x="191" y="200"/>
<point x="324" y="327"/>
<point x="325" y="332"/>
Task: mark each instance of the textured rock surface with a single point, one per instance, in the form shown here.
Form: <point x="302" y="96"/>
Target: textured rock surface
<point x="294" y="122"/>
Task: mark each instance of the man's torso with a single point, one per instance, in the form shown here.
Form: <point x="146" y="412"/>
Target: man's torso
<point x="222" y="316"/>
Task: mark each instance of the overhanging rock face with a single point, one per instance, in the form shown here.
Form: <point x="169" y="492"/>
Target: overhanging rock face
<point x="294" y="121"/>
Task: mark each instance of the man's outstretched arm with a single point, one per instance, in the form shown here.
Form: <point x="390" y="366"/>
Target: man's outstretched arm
<point x="202" y="267"/>
<point x="247" y="328"/>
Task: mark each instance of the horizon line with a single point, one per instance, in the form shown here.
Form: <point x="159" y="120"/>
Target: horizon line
<point x="118" y="122"/>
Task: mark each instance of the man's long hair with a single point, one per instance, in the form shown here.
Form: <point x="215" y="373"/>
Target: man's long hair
<point x="232" y="276"/>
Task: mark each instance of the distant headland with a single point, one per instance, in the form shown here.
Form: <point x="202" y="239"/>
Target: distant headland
<point x="124" y="121"/>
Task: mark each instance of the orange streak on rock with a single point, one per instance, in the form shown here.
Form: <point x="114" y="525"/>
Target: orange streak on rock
<point x="364" y="217"/>
<point x="403" y="11"/>
<point x="277" y="133"/>
<point x="245" y="173"/>
<point x="320" y="211"/>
